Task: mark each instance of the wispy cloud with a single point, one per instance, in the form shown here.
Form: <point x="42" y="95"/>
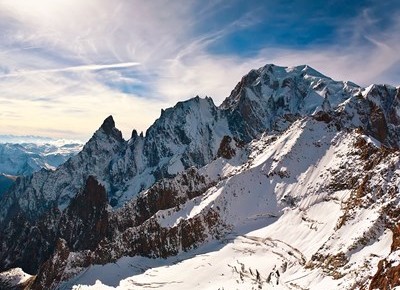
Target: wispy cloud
<point x="78" y="68"/>
<point x="67" y="64"/>
<point x="360" y="52"/>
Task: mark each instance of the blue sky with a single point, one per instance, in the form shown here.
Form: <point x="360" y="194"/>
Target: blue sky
<point x="65" y="65"/>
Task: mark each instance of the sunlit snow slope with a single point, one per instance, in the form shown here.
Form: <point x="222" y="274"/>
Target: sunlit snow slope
<point x="292" y="183"/>
<point x="285" y="206"/>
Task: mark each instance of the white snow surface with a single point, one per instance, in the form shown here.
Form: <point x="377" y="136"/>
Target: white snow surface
<point x="281" y="212"/>
<point x="281" y="198"/>
<point x="14" y="277"/>
<point x="26" y="158"/>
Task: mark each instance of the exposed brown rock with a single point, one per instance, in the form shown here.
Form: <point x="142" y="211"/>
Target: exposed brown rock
<point x="323" y="117"/>
<point x="131" y="231"/>
<point x="379" y="126"/>
<point x="387" y="277"/>
<point x="163" y="195"/>
<point x="226" y="149"/>
<point x="396" y="238"/>
<point x="151" y="240"/>
<point x="52" y="270"/>
<point x="28" y="244"/>
<point x="85" y="222"/>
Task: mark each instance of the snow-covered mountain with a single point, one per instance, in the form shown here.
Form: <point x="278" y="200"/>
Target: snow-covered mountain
<point x="292" y="183"/>
<point x="25" y="158"/>
<point x="24" y="155"/>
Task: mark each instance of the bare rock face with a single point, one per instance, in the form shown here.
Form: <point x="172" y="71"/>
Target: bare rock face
<point x="229" y="146"/>
<point x="388" y="274"/>
<point x="226" y="149"/>
<point x="82" y="225"/>
<point x="379" y="127"/>
<point x="50" y="274"/>
<point x="28" y="244"/>
<point x="93" y="236"/>
<point x="108" y="127"/>
<point x="85" y="222"/>
<point x="111" y="199"/>
<point x="380" y="114"/>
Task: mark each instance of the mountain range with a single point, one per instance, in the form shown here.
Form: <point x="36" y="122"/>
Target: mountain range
<point x="292" y="183"/>
<point x="24" y="155"/>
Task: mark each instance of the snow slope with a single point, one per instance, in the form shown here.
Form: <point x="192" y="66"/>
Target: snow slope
<point x="293" y="182"/>
<point x="283" y="206"/>
<point x="14" y="278"/>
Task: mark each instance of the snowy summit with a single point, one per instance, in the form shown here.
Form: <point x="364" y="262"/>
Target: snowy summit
<point x="291" y="183"/>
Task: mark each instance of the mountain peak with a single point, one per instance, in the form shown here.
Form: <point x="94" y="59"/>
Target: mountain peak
<point x="108" y="125"/>
<point x="281" y="150"/>
<point x="283" y="71"/>
<point x="308" y="70"/>
<point x="108" y="128"/>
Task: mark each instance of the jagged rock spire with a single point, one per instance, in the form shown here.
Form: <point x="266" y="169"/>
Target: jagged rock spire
<point x="108" y="125"/>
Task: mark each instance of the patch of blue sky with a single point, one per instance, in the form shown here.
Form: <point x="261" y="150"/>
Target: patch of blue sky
<point x="295" y="24"/>
<point x="125" y="80"/>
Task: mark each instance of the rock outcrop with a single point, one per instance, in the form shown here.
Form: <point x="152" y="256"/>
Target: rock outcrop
<point x="187" y="180"/>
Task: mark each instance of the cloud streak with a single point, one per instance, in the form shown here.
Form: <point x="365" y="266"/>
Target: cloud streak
<point x="66" y="65"/>
<point x="78" y="68"/>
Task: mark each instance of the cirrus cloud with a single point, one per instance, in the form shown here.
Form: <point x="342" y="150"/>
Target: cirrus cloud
<point x="66" y="65"/>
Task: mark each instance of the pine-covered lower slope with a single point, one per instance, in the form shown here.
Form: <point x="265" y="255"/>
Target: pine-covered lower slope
<point x="292" y="182"/>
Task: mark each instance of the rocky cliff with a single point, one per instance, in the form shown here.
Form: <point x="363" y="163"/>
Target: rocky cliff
<point x="286" y="145"/>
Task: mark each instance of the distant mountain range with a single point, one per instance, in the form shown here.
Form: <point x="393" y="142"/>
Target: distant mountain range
<point x="291" y="183"/>
<point x="32" y="139"/>
<point x="24" y="155"/>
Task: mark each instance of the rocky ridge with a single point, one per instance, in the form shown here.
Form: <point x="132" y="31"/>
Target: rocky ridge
<point x="201" y="171"/>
